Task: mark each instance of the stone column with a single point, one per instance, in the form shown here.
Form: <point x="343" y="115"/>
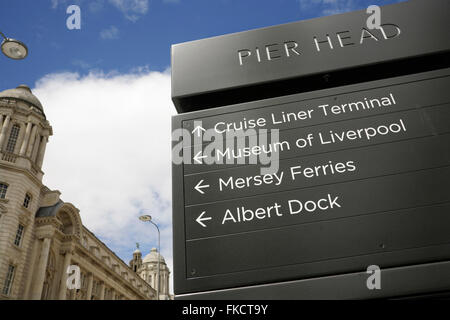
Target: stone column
<point x="4" y="130"/>
<point x="63" y="284"/>
<point x="32" y="140"/>
<point x="20" y="138"/>
<point x="37" y="144"/>
<point x="102" y="291"/>
<point x="113" y="295"/>
<point x="31" y="267"/>
<point x="164" y="285"/>
<point x="40" y="157"/>
<point x="40" y="270"/>
<point x="23" y="147"/>
<point x="72" y="294"/>
<point x="89" y="287"/>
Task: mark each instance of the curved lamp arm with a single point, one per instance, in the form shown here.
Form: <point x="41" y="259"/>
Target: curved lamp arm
<point x="13" y="49"/>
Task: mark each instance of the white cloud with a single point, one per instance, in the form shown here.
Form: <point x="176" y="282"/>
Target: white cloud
<point x="110" y="153"/>
<point x="110" y="33"/>
<point x="132" y="9"/>
<point x="81" y="63"/>
<point x="329" y="7"/>
<point x="56" y="3"/>
<point x="95" y="5"/>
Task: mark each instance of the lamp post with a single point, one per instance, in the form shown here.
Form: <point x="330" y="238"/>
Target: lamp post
<point x="148" y="218"/>
<point x="13" y="49"/>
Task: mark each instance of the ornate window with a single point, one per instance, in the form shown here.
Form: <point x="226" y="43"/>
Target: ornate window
<point x="27" y="200"/>
<point x="3" y="189"/>
<point x="13" y="138"/>
<point x="19" y="235"/>
<point x="9" y="280"/>
<point x="66" y="225"/>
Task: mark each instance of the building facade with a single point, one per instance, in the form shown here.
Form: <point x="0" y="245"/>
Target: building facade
<point x="45" y="251"/>
<point x="147" y="269"/>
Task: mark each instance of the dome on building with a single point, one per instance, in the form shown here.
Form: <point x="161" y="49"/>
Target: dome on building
<point x="152" y="257"/>
<point x="22" y="92"/>
<point x="137" y="251"/>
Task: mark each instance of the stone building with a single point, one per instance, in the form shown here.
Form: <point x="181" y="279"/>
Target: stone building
<point x="147" y="269"/>
<point x="41" y="236"/>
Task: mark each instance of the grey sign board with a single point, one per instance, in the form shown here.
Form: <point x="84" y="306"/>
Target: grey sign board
<point x="311" y="184"/>
<point x="217" y="68"/>
<point x="335" y="208"/>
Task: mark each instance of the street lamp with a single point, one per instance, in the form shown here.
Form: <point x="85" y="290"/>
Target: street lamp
<point x="148" y="218"/>
<point x="13" y="49"/>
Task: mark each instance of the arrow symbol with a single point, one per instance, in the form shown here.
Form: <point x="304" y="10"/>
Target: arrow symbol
<point x="200" y="219"/>
<point x="198" y="129"/>
<point x="199" y="187"/>
<point x="198" y="156"/>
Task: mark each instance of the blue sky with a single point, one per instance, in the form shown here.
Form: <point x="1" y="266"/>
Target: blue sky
<point x="106" y="92"/>
<point x="145" y="30"/>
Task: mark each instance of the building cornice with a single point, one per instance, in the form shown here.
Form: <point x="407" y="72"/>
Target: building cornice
<point x="26" y="110"/>
<point x="27" y="172"/>
<point x="100" y="267"/>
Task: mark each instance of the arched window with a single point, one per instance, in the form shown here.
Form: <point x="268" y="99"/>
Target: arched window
<point x="19" y="235"/>
<point x="9" y="280"/>
<point x="13" y="138"/>
<point x="27" y="200"/>
<point x="3" y="189"/>
<point x="66" y="225"/>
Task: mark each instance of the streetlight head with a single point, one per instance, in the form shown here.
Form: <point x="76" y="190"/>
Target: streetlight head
<point x="14" y="49"/>
<point x="145" y="218"/>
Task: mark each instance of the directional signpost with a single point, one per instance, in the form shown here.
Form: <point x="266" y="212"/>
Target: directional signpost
<point x="293" y="195"/>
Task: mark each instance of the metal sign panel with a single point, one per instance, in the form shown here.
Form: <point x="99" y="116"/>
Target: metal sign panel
<point x="298" y="176"/>
<point x="234" y="66"/>
<point x="363" y="173"/>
